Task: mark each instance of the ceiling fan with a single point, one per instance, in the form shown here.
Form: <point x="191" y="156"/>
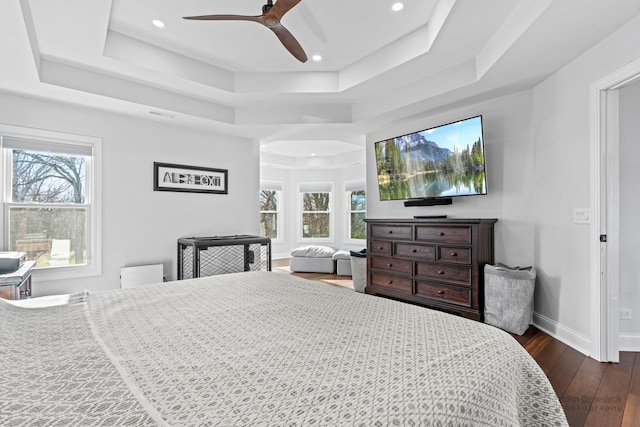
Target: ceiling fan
<point x="270" y="18"/>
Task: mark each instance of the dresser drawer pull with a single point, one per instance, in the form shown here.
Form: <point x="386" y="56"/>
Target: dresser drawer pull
<point x="380" y="248"/>
<point x="454" y="253"/>
<point x="440" y="292"/>
<point x="440" y="271"/>
<point x="441" y="234"/>
<point x="389" y="282"/>
<point x="390" y="232"/>
<point x="389" y="265"/>
<point x="414" y="250"/>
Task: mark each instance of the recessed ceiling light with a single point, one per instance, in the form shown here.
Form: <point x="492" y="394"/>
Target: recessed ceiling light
<point x="158" y="23"/>
<point x="313" y="154"/>
<point x="316" y="58"/>
<point x="397" y="7"/>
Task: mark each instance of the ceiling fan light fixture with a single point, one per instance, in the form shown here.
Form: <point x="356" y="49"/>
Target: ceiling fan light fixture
<point x="158" y="23"/>
<point x="317" y="57"/>
<point x="397" y="7"/>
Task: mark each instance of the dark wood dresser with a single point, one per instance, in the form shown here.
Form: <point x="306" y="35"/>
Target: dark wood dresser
<point x="437" y="263"/>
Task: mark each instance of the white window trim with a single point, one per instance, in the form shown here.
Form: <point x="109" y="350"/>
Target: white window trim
<point x="278" y="186"/>
<point x="299" y="211"/>
<point x="93" y="198"/>
<point x="361" y="185"/>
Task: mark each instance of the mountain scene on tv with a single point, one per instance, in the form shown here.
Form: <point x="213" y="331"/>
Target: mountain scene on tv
<point x="441" y="162"/>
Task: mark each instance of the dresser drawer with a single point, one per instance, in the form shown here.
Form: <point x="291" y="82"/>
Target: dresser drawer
<point x="392" y="282"/>
<point x="380" y="247"/>
<point x="410" y="250"/>
<point x="448" y="273"/>
<point x="454" y="254"/>
<point x="403" y="266"/>
<point x="443" y="234"/>
<point x="451" y="294"/>
<point x="435" y="263"/>
<point x="395" y="232"/>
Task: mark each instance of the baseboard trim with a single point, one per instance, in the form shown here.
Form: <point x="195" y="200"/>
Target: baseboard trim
<point x="566" y="335"/>
<point x="629" y="342"/>
<point x="581" y="343"/>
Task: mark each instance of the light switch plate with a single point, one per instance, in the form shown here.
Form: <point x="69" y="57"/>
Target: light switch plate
<point x="626" y="313"/>
<point x="581" y="216"/>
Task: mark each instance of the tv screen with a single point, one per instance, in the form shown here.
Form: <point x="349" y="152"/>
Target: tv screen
<point x="443" y="161"/>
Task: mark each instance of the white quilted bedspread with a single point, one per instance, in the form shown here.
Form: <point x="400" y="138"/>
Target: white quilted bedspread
<point x="261" y="349"/>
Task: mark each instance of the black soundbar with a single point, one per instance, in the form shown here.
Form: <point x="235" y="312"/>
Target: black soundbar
<point x="436" y="201"/>
<point x="429" y="216"/>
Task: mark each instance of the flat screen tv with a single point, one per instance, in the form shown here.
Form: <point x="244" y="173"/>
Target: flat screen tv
<point x="437" y="163"/>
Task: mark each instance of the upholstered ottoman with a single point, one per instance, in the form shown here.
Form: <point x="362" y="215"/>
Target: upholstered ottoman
<point x="313" y="259"/>
<point x="343" y="262"/>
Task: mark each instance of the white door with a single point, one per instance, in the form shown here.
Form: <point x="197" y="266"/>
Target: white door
<point x="605" y="211"/>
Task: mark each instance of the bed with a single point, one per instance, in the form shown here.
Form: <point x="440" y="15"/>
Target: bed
<point x="261" y="349"/>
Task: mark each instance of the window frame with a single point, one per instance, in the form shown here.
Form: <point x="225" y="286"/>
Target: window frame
<point x="322" y="187"/>
<point x="93" y="197"/>
<point x="350" y="187"/>
<point x="276" y="186"/>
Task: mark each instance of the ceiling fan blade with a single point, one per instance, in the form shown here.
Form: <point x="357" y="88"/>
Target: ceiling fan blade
<point x="270" y="19"/>
<point x="289" y="41"/>
<point x="224" y="18"/>
<point x="281" y="7"/>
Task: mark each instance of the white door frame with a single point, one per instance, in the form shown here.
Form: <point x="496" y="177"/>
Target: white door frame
<point x="604" y="207"/>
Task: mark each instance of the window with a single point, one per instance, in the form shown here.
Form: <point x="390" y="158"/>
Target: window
<point x="50" y="200"/>
<point x="316" y="219"/>
<point x="271" y="211"/>
<point x="357" y="203"/>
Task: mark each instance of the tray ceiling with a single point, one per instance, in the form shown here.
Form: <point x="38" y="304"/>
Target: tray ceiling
<point x="377" y="67"/>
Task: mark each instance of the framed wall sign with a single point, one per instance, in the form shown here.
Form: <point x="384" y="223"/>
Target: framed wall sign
<point x="191" y="179"/>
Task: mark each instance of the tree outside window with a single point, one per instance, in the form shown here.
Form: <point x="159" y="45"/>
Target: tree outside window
<point x="269" y="207"/>
<point x="357" y="214"/>
<point x="316" y="215"/>
<point x="47" y="210"/>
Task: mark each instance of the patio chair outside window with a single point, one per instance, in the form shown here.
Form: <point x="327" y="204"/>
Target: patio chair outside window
<point x="60" y="252"/>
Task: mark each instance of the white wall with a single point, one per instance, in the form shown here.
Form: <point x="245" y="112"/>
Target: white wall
<point x="562" y="153"/>
<point x="629" y="207"/>
<point x="507" y="139"/>
<point x="291" y="178"/>
<point x="141" y="226"/>
<point x="537" y="143"/>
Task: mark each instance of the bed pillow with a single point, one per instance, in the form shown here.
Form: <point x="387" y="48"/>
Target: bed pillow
<point x="313" y="251"/>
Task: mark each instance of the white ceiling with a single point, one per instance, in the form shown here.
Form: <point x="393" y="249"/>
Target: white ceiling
<point x="236" y="78"/>
<point x="342" y="36"/>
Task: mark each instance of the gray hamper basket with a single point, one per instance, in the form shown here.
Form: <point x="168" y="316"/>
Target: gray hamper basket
<point x="359" y="273"/>
<point x="508" y="297"/>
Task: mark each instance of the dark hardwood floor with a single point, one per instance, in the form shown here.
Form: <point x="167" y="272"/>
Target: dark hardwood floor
<point x="592" y="393"/>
